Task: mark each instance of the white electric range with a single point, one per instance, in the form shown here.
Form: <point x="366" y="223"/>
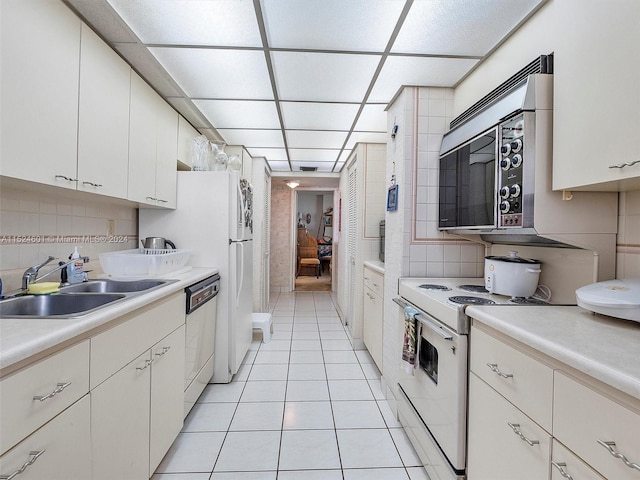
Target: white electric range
<point x="433" y="395"/>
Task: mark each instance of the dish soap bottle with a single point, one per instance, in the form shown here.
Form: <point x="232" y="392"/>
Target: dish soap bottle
<point x="75" y="270"/>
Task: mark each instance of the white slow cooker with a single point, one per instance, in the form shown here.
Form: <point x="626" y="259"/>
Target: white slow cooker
<point x="615" y="298"/>
<point x="511" y="275"/>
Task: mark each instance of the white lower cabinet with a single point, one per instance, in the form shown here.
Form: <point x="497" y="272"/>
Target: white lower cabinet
<point x="504" y="443"/>
<point x="372" y="314"/>
<point x="120" y="413"/>
<point x="60" y="450"/>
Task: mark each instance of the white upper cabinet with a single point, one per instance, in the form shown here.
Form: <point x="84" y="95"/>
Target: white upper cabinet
<point x="153" y="147"/>
<point x="103" y="130"/>
<point x="186" y="135"/>
<point x="597" y="99"/>
<point x="40" y="44"/>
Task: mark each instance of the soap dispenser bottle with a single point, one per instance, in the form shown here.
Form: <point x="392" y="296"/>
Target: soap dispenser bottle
<point x="75" y="270"/>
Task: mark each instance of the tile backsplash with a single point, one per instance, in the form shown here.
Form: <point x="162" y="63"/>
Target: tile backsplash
<point x="628" y="244"/>
<point x="35" y="224"/>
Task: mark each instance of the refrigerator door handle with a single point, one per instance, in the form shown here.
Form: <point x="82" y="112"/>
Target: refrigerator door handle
<point x="240" y="271"/>
<point x="242" y="212"/>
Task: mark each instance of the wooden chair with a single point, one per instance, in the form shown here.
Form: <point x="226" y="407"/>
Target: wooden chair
<point x="308" y="254"/>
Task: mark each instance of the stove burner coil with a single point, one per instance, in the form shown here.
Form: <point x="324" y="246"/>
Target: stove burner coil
<point x="466" y="300"/>
<point x="432" y="286"/>
<point x="473" y="288"/>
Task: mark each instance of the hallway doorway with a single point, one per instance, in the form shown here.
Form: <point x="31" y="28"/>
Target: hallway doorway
<point x="313" y="224"/>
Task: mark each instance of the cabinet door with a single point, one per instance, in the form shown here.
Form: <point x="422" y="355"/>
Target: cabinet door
<point x="496" y="450"/>
<point x="596" y="98"/>
<point x="167" y="394"/>
<point x="65" y="446"/>
<point x="166" y="154"/>
<point x="142" y="142"/>
<point x="103" y="130"/>
<point x="120" y="423"/>
<point x="40" y="68"/>
<point x="564" y="463"/>
<point x="372" y="312"/>
<point x="186" y="136"/>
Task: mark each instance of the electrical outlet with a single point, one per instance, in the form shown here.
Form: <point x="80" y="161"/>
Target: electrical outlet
<point x="111" y="227"/>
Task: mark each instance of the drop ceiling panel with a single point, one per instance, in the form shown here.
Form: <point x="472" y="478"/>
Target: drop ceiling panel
<point x="253" y="138"/>
<point x="268" y="153"/>
<point x="239" y="113"/>
<point x="323" y="77"/>
<point x="320" y="116"/>
<point x="279" y="165"/>
<point x="176" y="22"/>
<point x="189" y="111"/>
<point x="314" y="154"/>
<point x="354" y="25"/>
<point x="423" y="71"/>
<point x="218" y="74"/>
<point x="315" y="139"/>
<point x="463" y="27"/>
<point x="373" y="118"/>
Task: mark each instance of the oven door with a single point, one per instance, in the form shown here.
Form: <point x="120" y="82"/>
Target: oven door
<point x="438" y="388"/>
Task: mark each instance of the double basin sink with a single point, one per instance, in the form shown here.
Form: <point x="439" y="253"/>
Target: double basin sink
<point x="76" y="300"/>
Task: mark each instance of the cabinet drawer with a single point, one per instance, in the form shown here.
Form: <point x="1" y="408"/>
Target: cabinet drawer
<point x="582" y="417"/>
<point x="563" y="460"/>
<point x="31" y="397"/>
<point x="374" y="280"/>
<point x="113" y="349"/>
<point x="504" y="444"/>
<point x="65" y="446"/>
<point x="521" y="379"/>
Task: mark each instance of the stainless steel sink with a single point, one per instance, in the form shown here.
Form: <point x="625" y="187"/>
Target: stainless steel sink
<point x="114" y="286"/>
<point x="60" y="305"/>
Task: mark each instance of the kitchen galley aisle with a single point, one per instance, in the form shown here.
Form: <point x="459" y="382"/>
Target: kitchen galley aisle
<point x="304" y="406"/>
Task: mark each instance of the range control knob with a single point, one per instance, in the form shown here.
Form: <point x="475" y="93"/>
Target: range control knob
<point x="505" y="192"/>
<point x="516" y="161"/>
<point x="505" y="164"/>
<point x="516" y="145"/>
<point x="504" y="206"/>
<point x="514" y="190"/>
<point x="505" y="149"/>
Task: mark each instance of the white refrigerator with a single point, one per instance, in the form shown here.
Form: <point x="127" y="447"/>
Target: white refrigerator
<point x="214" y="219"/>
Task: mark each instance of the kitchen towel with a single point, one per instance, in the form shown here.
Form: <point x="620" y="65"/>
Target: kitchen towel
<point x="409" y="342"/>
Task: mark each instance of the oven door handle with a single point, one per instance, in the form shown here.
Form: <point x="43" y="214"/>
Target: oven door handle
<point x="427" y="320"/>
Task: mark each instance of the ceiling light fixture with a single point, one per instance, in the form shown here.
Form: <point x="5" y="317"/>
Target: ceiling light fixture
<point x="292" y="183"/>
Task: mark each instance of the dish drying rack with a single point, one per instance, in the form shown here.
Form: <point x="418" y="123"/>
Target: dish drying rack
<point x="143" y="262"/>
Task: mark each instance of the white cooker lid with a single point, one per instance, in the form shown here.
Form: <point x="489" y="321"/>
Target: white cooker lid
<point x="616" y="298"/>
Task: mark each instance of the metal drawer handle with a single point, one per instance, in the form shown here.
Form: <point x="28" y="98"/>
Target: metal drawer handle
<point x="34" y="456"/>
<point x="494" y="368"/>
<point x="92" y="184"/>
<point x="516" y="429"/>
<point x="59" y="387"/>
<point x="147" y="364"/>
<point x="164" y="350"/>
<point x="609" y="446"/>
<point x="625" y="164"/>
<point x="68" y="179"/>
<point x="560" y="466"/>
<point x="152" y="198"/>
<point x="161" y="200"/>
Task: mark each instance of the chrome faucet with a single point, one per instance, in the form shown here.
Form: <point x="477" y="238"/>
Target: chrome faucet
<point x="31" y="274"/>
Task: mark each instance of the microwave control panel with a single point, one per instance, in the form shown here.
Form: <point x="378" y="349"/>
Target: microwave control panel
<point x="510" y="172"/>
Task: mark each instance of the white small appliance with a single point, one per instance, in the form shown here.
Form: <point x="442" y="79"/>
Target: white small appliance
<point x="615" y="298"/>
<point x="214" y="220"/>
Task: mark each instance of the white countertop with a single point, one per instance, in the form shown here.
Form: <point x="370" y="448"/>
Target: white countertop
<point x="375" y="265"/>
<point x="22" y="339"/>
<point x="602" y="347"/>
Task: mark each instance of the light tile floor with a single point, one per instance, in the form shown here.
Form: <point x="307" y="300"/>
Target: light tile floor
<point x="304" y="406"/>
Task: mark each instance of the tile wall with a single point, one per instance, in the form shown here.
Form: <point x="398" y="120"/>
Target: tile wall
<point x="281" y="215"/>
<point x="628" y="245"/>
<point x="36" y="224"/>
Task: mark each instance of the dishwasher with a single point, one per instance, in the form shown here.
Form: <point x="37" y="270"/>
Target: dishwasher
<point x="200" y="320"/>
